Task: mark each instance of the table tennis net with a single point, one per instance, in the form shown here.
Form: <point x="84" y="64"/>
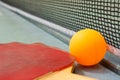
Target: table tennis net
<point x="101" y="15"/>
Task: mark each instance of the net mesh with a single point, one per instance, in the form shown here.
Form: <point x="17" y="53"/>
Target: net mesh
<point x="101" y="15"/>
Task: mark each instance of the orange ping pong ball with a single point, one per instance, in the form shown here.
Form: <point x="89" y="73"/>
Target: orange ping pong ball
<point x="88" y="47"/>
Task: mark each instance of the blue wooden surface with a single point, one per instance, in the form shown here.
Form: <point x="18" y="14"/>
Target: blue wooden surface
<point x="14" y="28"/>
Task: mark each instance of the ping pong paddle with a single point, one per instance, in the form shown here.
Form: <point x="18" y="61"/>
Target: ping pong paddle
<point x="19" y="61"/>
<point x="65" y="74"/>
